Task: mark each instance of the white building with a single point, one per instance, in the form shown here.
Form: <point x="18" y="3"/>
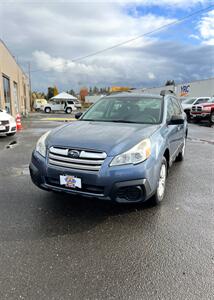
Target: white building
<point x="198" y="88"/>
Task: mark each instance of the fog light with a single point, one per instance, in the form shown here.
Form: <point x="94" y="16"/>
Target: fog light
<point x="132" y="193"/>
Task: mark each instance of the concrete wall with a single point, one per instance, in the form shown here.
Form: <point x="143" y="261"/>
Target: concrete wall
<point x="199" y="88"/>
<point x="11" y="70"/>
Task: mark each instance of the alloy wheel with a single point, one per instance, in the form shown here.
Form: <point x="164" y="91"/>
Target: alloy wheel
<point x="162" y="182"/>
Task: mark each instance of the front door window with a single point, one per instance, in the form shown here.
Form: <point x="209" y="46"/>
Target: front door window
<point x="16" y="101"/>
<point x="7" y="96"/>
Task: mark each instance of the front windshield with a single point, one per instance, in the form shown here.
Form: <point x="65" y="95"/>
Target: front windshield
<point x="126" y="110"/>
<point x="189" y="101"/>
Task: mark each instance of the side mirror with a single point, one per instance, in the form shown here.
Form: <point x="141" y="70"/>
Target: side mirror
<point x="78" y="115"/>
<point x="176" y="120"/>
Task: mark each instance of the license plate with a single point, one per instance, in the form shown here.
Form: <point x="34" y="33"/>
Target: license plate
<point x="70" y="181"/>
<point x="2" y="127"/>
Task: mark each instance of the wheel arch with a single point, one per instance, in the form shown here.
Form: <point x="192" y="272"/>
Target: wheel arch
<point x="167" y="156"/>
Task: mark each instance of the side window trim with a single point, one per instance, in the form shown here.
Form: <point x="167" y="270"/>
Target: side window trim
<point x="176" y="106"/>
<point x="169" y="102"/>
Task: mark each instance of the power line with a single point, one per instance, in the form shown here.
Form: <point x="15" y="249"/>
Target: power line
<point x="132" y="39"/>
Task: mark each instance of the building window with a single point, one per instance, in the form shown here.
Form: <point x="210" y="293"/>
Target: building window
<point x="7" y="97"/>
<point x="16" y="100"/>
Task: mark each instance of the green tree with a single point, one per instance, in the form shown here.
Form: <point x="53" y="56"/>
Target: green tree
<point x="55" y="91"/>
<point x="50" y="93"/>
<point x="95" y="90"/>
<point x="72" y="92"/>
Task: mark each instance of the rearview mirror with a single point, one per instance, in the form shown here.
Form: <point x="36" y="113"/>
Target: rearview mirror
<point x="176" y="120"/>
<point x="78" y="115"/>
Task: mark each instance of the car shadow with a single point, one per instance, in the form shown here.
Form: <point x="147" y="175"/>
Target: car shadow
<point x="66" y="215"/>
<point x="50" y="215"/>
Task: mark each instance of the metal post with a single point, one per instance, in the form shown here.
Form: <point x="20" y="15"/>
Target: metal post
<point x="30" y="92"/>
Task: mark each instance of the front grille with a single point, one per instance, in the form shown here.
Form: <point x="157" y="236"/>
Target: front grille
<point x="5" y="130"/>
<point x="197" y="108"/>
<point x="81" y="160"/>
<point x="4" y="122"/>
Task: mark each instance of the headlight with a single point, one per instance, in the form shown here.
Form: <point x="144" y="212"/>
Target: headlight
<point x="135" y="155"/>
<point x="207" y="108"/>
<point x="40" y="146"/>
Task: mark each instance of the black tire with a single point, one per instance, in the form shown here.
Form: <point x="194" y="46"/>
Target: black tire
<point x="158" y="197"/>
<point x="68" y="110"/>
<point x="181" y="154"/>
<point x="212" y="117"/>
<point x="47" y="110"/>
<point x="195" y="120"/>
<point x="188" y="115"/>
<point x="11" y="134"/>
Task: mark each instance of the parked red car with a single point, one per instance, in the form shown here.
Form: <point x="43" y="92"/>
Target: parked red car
<point x="204" y="111"/>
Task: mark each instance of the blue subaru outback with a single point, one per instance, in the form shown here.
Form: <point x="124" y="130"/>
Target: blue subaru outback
<point x="120" y="149"/>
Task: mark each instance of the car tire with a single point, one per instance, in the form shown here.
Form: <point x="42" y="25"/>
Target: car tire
<point x="187" y="112"/>
<point x="181" y="154"/>
<point x="212" y="118"/>
<point x="47" y="110"/>
<point x="68" y="110"/>
<point x="11" y="134"/>
<point x="160" y="191"/>
<point x="194" y="120"/>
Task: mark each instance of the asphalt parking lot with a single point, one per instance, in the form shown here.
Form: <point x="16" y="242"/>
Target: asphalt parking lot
<point x="58" y="247"/>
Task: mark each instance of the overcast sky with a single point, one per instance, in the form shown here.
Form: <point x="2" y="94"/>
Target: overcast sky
<point x="50" y="34"/>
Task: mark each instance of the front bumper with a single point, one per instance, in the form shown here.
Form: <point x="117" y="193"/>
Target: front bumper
<point x="9" y="128"/>
<point x="121" y="184"/>
<point x="202" y="115"/>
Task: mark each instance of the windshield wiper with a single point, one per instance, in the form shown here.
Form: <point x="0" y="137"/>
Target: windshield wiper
<point x="115" y="121"/>
<point x="123" y="121"/>
<point x="87" y="120"/>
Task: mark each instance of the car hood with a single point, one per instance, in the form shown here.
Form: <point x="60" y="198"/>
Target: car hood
<point x="206" y="104"/>
<point x="112" y="138"/>
<point x="4" y="116"/>
<point x="186" y="106"/>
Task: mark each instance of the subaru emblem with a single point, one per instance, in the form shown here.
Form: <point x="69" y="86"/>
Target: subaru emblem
<point x="73" y="153"/>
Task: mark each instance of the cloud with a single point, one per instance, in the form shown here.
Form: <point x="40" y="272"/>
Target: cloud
<point x="194" y="36"/>
<point x="206" y="28"/>
<point x="60" y="65"/>
<point x="146" y="65"/>
<point x="151" y="75"/>
<point x="178" y="3"/>
<point x="52" y="34"/>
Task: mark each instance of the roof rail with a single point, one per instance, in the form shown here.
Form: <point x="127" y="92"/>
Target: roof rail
<point x="165" y="92"/>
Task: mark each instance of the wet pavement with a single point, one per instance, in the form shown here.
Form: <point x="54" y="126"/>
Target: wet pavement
<point x="59" y="247"/>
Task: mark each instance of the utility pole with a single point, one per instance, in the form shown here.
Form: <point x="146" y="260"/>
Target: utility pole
<point x="30" y="91"/>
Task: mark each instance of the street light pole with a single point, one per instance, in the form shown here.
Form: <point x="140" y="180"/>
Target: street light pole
<point x="30" y="92"/>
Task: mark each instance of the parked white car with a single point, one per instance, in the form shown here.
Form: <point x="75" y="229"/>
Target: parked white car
<point x="38" y="103"/>
<point x="77" y="104"/>
<point x="189" y="102"/>
<point x="59" y="105"/>
<point x="7" y="123"/>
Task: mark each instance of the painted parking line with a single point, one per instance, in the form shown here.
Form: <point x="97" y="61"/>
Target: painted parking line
<point x="59" y="119"/>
